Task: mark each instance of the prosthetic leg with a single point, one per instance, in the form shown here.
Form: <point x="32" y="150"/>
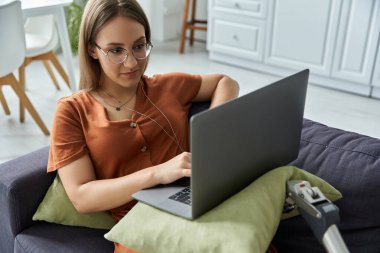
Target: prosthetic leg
<point x="319" y="212"/>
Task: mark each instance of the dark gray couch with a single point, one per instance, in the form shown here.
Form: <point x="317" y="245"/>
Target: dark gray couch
<point x="349" y="161"/>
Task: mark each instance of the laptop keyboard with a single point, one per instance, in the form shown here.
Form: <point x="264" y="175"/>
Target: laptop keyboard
<point x="183" y="196"/>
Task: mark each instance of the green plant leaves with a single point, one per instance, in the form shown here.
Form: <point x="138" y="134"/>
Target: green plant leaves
<point x="73" y="20"/>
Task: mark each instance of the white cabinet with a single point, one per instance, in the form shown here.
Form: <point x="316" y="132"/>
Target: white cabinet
<point x="237" y="28"/>
<point x="302" y="34"/>
<point x="337" y="40"/>
<point x="357" y="41"/>
<point x="376" y="74"/>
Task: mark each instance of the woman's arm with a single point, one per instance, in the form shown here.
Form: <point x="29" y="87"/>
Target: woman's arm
<point x="91" y="195"/>
<point x="218" y="88"/>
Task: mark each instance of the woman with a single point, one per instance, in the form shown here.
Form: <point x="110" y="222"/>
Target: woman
<point x="124" y="131"/>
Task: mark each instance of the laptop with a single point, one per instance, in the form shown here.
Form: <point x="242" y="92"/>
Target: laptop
<point x="234" y="144"/>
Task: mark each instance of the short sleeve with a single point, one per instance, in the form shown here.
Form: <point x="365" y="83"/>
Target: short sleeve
<point x="183" y="86"/>
<point x="67" y="142"/>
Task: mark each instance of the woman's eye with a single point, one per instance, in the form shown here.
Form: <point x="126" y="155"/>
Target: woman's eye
<point x="117" y="50"/>
<point x="139" y="47"/>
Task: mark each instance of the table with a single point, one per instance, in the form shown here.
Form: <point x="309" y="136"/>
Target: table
<point x="32" y="8"/>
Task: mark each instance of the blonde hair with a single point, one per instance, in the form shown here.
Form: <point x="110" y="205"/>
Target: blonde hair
<point x="96" y="14"/>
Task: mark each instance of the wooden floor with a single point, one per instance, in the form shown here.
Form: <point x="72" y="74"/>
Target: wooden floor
<point x="334" y="108"/>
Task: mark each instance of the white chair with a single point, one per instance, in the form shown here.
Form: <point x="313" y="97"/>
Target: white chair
<point x="41" y="41"/>
<point x="12" y="54"/>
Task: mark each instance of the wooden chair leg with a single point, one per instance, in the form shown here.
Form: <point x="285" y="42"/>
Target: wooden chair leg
<point x="4" y="103"/>
<point x="26" y="102"/>
<point x="59" y="67"/>
<point x="184" y="27"/>
<point x="192" y="22"/>
<point x="21" y="75"/>
<point x="51" y="74"/>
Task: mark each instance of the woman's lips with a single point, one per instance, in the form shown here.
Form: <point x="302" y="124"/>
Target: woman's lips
<point x="130" y="73"/>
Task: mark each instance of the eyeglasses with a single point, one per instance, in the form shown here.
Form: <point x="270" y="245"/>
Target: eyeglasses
<point x="119" y="55"/>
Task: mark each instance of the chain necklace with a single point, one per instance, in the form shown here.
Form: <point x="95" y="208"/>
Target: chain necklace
<point x="121" y="105"/>
<point x="133" y="124"/>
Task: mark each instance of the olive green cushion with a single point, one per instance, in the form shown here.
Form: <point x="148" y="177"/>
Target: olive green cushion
<point x="56" y="207"/>
<point x="246" y="222"/>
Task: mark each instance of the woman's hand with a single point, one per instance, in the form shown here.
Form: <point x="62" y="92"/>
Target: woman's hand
<point x="176" y="168"/>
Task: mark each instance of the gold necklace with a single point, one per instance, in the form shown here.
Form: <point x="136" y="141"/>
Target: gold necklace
<point x="121" y="105"/>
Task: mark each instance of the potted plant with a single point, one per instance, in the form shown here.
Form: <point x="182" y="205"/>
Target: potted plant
<point x="74" y="13"/>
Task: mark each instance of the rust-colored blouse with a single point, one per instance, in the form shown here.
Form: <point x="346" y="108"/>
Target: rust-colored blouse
<point x="117" y="148"/>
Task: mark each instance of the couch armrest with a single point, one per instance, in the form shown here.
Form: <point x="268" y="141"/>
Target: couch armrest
<point x="23" y="184"/>
<point x="198" y="107"/>
<point x="351" y="163"/>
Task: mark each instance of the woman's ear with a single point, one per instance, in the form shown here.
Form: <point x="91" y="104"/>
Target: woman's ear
<point x="92" y="52"/>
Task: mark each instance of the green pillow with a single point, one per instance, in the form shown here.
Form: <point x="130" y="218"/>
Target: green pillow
<point x="246" y="222"/>
<point x="56" y="207"/>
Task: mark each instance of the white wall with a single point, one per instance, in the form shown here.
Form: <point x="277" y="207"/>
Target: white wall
<point x="165" y="17"/>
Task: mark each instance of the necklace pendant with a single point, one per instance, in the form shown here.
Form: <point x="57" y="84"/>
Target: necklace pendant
<point x="117" y="108"/>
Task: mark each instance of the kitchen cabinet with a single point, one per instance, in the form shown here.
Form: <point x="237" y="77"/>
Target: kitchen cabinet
<point x="237" y="28"/>
<point x="337" y="40"/>
<point x="357" y="41"/>
<point x="302" y="34"/>
<point x="376" y="75"/>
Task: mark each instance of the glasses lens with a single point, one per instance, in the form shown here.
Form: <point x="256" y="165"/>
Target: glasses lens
<point x="142" y="51"/>
<point x="117" y="55"/>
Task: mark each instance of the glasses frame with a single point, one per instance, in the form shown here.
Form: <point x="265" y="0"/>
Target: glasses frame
<point x="148" y="45"/>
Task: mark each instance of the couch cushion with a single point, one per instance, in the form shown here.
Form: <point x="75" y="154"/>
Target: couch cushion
<point x="56" y="207"/>
<point x="351" y="163"/>
<point x="49" y="237"/>
<point x="246" y="222"/>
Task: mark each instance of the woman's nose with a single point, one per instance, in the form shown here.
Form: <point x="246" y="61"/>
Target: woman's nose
<point x="130" y="62"/>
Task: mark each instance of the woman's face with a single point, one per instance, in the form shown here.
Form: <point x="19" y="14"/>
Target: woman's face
<point x="117" y="34"/>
